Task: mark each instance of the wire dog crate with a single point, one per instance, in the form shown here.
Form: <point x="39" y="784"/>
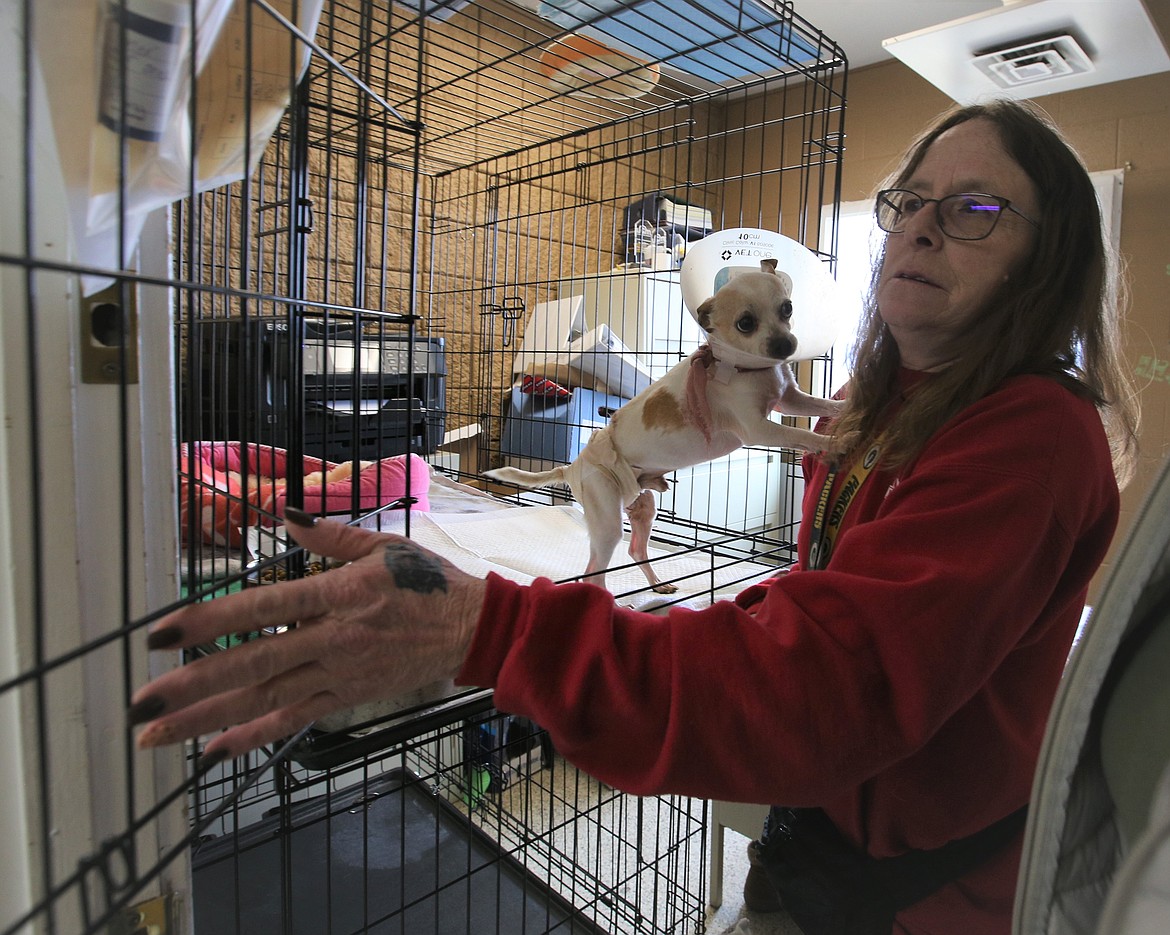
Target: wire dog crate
<point x="348" y="255"/>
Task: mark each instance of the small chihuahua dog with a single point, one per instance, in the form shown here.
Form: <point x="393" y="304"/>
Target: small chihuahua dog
<point x="715" y="401"/>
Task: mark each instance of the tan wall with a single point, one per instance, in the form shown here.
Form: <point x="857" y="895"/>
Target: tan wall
<point x="1121" y="125"/>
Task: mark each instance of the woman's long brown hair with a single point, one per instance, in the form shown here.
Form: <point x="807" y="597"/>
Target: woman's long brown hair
<point x="1057" y="316"/>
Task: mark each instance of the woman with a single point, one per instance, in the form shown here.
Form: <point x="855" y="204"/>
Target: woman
<point x="900" y="677"/>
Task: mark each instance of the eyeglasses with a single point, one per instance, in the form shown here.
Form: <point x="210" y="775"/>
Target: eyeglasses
<point x="963" y="216"/>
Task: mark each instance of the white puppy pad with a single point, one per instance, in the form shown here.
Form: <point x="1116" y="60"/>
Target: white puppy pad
<point x="524" y="543"/>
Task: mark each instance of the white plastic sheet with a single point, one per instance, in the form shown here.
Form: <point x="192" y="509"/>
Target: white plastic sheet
<point x="159" y="135"/>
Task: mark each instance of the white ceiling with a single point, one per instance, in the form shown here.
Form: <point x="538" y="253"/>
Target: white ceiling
<point x="859" y="26"/>
<point x="1036" y="47"/>
<point x="939" y="38"/>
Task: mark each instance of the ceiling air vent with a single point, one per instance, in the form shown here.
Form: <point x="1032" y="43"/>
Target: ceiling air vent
<point x="1037" y="60"/>
<point x="1029" y="48"/>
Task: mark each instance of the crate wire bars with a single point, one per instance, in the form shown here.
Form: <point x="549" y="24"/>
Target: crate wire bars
<point x="400" y="186"/>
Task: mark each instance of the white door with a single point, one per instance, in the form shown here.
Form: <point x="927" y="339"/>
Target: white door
<point x="82" y="464"/>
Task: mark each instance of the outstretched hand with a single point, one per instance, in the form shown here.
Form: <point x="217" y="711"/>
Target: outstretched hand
<point x="393" y="620"/>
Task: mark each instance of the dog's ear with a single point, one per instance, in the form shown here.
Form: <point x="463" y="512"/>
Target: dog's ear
<point x="703" y="314"/>
<point x="768" y="266"/>
<point x="786" y="280"/>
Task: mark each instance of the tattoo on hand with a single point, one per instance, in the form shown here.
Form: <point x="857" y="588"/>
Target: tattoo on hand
<point x="413" y="570"/>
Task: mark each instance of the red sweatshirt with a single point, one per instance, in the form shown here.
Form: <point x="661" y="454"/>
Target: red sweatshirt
<point x="904" y="688"/>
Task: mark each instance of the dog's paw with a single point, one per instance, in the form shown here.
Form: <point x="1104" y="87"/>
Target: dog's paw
<point x="806" y="440"/>
<point x="812" y="442"/>
<point x="829" y="448"/>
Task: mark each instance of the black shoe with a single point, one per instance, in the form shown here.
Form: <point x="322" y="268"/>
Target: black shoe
<point x="758" y="893"/>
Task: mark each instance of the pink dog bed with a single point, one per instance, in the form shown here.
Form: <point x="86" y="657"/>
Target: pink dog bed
<point x="222" y="491"/>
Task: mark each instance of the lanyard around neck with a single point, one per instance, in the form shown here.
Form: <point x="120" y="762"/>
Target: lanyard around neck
<point x="828" y="517"/>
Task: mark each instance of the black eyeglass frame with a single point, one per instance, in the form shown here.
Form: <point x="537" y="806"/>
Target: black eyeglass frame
<point x="1004" y="204"/>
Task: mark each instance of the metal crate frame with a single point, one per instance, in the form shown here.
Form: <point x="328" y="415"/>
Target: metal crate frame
<point x="426" y="181"/>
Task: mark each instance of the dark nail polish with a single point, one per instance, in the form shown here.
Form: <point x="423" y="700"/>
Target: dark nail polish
<point x="163" y="638"/>
<point x="145" y="710"/>
<point x="214" y="758"/>
<point x="299" y="517"/>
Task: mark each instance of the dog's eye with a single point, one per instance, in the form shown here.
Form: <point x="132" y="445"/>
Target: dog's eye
<point x="746" y="324"/>
<point x="786" y="310"/>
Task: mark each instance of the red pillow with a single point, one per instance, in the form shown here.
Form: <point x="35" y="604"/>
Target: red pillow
<point x="213" y="471"/>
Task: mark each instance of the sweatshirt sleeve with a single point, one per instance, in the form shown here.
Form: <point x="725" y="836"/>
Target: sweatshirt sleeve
<point x="952" y="595"/>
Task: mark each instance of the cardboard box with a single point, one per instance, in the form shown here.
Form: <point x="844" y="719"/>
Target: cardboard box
<point x="597" y="360"/>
